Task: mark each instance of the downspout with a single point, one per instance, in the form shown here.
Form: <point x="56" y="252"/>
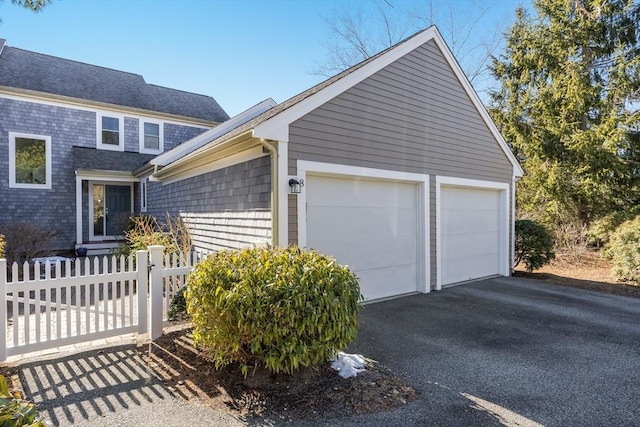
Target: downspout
<point x="275" y="181"/>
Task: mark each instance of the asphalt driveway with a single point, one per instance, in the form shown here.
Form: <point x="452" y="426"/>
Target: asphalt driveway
<point x="504" y="351"/>
<point x="509" y="351"/>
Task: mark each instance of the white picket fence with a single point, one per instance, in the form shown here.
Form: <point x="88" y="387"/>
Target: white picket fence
<point x="52" y="305"/>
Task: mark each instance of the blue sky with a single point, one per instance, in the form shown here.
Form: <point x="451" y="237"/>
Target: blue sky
<point x="240" y="52"/>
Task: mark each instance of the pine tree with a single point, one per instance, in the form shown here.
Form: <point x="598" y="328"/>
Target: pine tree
<point x="569" y="106"/>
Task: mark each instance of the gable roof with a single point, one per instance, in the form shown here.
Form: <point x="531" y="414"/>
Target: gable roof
<point x="274" y="123"/>
<point x="38" y="72"/>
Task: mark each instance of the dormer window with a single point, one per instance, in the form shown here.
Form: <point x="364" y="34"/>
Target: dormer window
<point x="151" y="137"/>
<point x="110" y="132"/>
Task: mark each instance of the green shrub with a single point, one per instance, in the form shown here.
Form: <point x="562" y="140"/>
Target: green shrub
<point x="279" y="308"/>
<point x="601" y="230"/>
<point x="14" y="411"/>
<point x="534" y="244"/>
<point x="624" y="250"/>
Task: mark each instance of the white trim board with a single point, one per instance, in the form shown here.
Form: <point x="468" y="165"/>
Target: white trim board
<point x="503" y="187"/>
<point x="306" y="168"/>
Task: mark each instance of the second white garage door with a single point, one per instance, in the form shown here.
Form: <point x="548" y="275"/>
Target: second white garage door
<point x="471" y="233"/>
<point x="370" y="226"/>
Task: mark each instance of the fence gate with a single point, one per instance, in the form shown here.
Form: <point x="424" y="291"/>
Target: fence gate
<point x="46" y="305"/>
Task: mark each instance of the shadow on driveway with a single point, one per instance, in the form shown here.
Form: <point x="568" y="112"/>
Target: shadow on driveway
<point x="508" y="351"/>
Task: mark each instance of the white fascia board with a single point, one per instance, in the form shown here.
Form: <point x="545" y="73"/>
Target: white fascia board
<point x="212" y="134"/>
<point x="277" y="127"/>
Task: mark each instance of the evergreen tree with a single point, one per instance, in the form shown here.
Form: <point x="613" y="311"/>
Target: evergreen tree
<point x="569" y="106"/>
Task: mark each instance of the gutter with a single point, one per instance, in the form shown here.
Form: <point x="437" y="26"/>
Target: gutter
<point x="275" y="194"/>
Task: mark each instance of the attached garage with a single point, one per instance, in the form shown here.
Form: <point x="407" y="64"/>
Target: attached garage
<point x="393" y="166"/>
<point x="370" y="225"/>
<point x="472" y="229"/>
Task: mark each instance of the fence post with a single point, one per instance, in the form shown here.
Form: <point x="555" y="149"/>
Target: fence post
<point x="142" y="279"/>
<point x="156" y="291"/>
<point x="3" y="309"/>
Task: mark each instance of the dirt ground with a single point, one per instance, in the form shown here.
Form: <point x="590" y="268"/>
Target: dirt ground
<point x="313" y="392"/>
<point x="588" y="270"/>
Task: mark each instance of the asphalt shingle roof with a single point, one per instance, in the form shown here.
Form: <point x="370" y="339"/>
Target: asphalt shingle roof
<point x="24" y="69"/>
<point x="92" y="158"/>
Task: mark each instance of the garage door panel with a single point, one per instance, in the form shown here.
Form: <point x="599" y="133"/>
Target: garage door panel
<point x="470" y="220"/>
<point x="372" y="252"/>
<point x="360" y="193"/>
<point x="369" y="225"/>
<point x="470" y="233"/>
<point x="475" y="267"/>
<point x="382" y="283"/>
<point x="469" y="244"/>
<point x="471" y="197"/>
<point x="359" y="223"/>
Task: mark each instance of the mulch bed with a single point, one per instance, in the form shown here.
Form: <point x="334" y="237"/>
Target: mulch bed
<point x="313" y="392"/>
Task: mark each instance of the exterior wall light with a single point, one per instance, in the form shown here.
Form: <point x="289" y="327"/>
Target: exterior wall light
<point x="295" y="185"/>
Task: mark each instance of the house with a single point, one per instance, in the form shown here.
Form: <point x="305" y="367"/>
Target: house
<point x="71" y="134"/>
<point x="393" y="166"/>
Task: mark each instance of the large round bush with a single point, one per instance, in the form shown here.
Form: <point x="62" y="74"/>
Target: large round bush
<point x="533" y="244"/>
<point x="278" y="308"/>
<point x="624" y="249"/>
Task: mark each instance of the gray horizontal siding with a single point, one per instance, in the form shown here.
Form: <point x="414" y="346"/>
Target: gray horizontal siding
<point x="412" y="116"/>
<point x="292" y="216"/>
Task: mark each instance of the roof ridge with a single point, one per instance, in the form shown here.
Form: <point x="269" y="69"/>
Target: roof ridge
<point x="178" y="90"/>
<point x="78" y="62"/>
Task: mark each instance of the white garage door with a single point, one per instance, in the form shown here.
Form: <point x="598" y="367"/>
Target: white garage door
<point x="470" y="233"/>
<point x="369" y="225"/>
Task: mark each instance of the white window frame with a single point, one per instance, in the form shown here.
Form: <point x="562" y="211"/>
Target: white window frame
<point x="144" y="194"/>
<point x="12" y="161"/>
<point x="142" y="148"/>
<point x="99" y="144"/>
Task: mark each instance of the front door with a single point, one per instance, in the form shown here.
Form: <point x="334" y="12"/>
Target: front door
<point x="111" y="209"/>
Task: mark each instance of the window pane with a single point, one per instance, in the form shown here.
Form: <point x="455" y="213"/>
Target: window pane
<point x="98" y="210"/>
<point x="31" y="161"/>
<point x="111" y="138"/>
<point x="110" y="123"/>
<point x="151" y="142"/>
<point x="152" y="129"/>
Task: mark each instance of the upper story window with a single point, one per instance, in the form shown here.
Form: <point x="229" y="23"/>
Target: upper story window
<point x="29" y="161"/>
<point x="110" y="132"/>
<point x="151" y="137"/>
